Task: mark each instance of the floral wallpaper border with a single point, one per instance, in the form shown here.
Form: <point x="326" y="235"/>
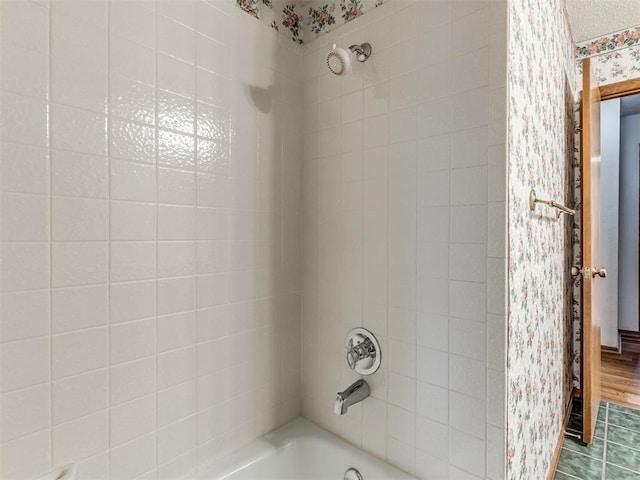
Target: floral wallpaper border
<point x="607" y="43"/>
<point x="305" y="23"/>
<point x="616" y="57"/>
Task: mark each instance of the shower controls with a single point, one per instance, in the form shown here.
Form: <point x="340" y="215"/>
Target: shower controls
<point x="363" y="351"/>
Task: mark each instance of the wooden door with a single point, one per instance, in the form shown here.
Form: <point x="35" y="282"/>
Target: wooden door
<point x="590" y="251"/>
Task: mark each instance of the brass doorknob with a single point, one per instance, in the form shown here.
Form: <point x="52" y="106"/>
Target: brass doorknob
<point x="588" y="272"/>
<point x="600" y="271"/>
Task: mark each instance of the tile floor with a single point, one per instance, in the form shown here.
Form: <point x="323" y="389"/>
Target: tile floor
<point x="614" y="453"/>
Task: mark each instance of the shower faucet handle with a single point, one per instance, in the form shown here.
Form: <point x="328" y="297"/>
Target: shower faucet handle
<point x="363" y="351"/>
<point x="359" y="352"/>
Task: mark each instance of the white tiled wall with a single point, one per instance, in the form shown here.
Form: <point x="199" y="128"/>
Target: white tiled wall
<point x="151" y="174"/>
<point x="150" y="235"/>
<point x="404" y="234"/>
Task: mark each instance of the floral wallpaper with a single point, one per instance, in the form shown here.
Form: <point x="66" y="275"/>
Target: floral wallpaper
<point x="322" y="16"/>
<point x="615" y="57"/>
<point x="303" y="22"/>
<point x="541" y="83"/>
<point x="284" y="16"/>
<point x="576" y="233"/>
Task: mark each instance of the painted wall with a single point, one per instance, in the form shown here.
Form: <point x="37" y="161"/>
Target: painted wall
<point x="150" y="218"/>
<point x="629" y="225"/>
<point x="612" y="175"/>
<point x="404" y="233"/>
<point x="541" y="80"/>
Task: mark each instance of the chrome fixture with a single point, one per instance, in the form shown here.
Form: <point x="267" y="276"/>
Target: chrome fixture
<point x="355" y="393"/>
<point x="551" y="203"/>
<point x="362" y="51"/>
<point x="363" y="351"/>
<point x="352" y="474"/>
<point x="339" y="59"/>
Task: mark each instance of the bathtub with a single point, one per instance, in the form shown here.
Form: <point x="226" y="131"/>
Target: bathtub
<point x="302" y="451"/>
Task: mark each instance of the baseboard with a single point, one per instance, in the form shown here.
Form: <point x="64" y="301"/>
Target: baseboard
<point x="558" y="450"/>
<point x="630" y="342"/>
<point x="607" y="349"/>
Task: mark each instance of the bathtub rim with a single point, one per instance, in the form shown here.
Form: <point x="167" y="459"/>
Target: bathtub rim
<point x="277" y="440"/>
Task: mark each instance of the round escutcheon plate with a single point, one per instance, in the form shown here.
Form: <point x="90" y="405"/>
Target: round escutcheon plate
<point x="363" y="351"/>
<point x="352" y="474"/>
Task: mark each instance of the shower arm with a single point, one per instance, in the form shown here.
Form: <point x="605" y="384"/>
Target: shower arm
<point x="357" y="49"/>
<point x="362" y="52"/>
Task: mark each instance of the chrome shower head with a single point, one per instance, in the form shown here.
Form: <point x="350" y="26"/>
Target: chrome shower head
<point x="339" y="59"/>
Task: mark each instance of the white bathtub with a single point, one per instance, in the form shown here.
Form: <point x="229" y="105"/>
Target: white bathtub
<point x="302" y="451"/>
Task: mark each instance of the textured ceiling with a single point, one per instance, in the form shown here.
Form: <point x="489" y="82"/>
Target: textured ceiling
<point x="592" y="18"/>
<point x="595" y="18"/>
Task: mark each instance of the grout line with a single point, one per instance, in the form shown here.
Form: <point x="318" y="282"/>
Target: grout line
<point x="622" y="468"/>
<point x="604" y="441"/>
<point x="108" y="153"/>
<point x="49" y="193"/>
<point x="387" y="149"/>
<point x="9" y="343"/>
<point x="196" y="242"/>
<point x="155" y="240"/>
<point x="416" y="271"/>
<point x="582" y="454"/>
<point x="623" y="445"/>
<point x="568" y="474"/>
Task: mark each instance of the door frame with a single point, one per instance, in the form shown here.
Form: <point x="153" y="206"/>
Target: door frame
<point x="620" y="89"/>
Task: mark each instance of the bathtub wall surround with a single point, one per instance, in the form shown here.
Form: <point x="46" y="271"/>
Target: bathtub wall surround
<point x="150" y="208"/>
<point x="167" y="189"/>
<point x="404" y="234"/>
<point x="541" y="128"/>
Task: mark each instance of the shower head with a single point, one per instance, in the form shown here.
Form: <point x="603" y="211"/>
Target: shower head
<point x="339" y="59"/>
